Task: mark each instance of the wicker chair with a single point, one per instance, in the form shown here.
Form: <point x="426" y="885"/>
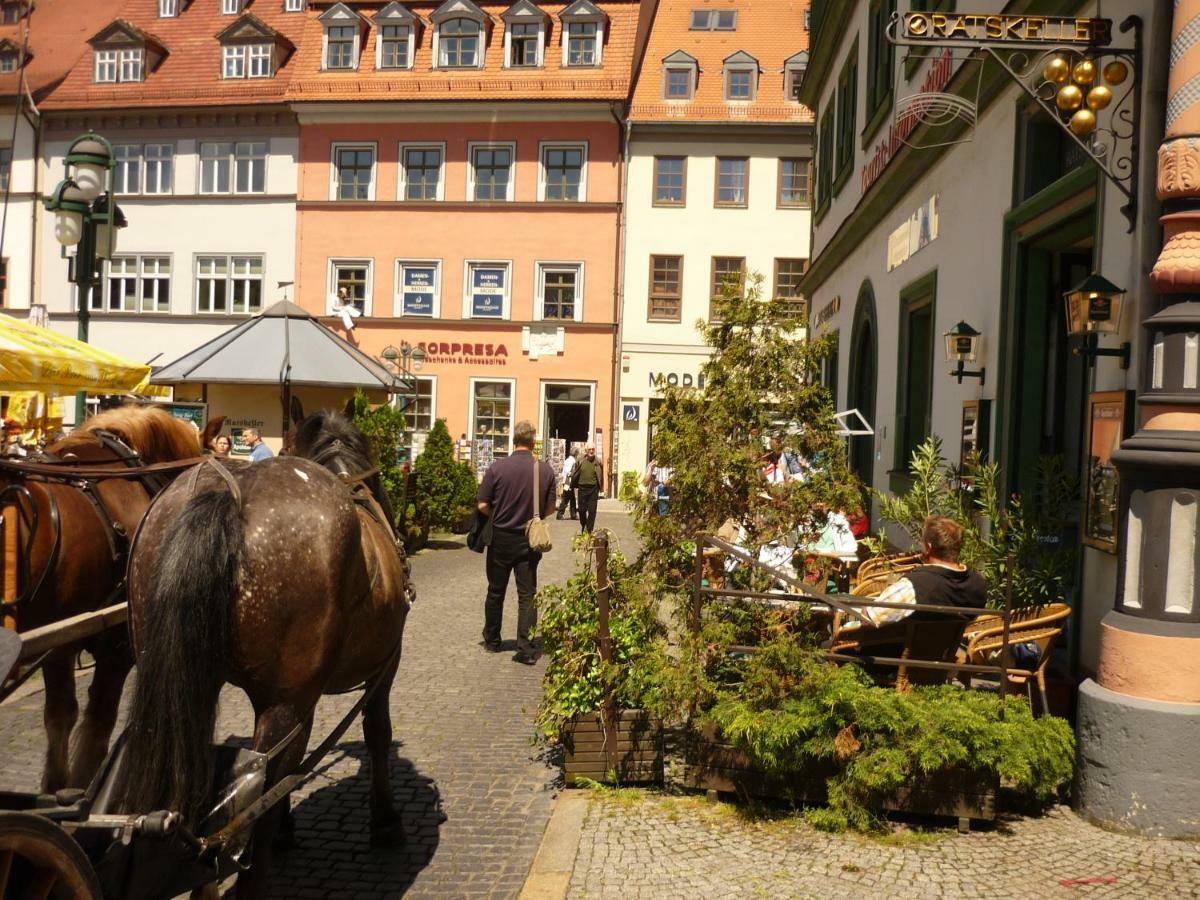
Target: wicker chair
<point x="926" y="638"/>
<point x="1041" y="625"/>
<point x="880" y="571"/>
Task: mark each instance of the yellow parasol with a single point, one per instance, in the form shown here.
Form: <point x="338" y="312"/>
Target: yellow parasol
<point x="38" y="359"/>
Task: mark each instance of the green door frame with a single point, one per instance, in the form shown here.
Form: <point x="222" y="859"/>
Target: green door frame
<point x="864" y="319"/>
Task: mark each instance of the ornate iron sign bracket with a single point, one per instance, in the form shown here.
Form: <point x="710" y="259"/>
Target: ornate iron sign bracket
<point x="1067" y="66"/>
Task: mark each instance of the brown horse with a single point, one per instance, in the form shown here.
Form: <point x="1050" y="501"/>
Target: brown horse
<point x="272" y="578"/>
<point x="77" y="564"/>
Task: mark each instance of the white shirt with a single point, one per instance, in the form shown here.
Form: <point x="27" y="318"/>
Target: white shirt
<point x="568" y="468"/>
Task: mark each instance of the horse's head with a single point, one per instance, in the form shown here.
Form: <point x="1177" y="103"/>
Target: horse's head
<point x="152" y="433"/>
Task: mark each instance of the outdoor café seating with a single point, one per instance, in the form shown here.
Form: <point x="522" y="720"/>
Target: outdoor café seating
<point x="1042" y="626"/>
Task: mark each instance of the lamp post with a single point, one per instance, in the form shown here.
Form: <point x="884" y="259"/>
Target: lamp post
<point x="86" y="216"/>
<point x="405" y="361"/>
<point x="1094" y="307"/>
<point x="962" y="347"/>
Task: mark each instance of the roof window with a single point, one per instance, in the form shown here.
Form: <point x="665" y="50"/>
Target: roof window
<point x="342" y="40"/>
<point x="582" y="34"/>
<point x="679" y="76"/>
<point x="714" y="20"/>
<point x="458" y="35"/>
<point x="524" y="35"/>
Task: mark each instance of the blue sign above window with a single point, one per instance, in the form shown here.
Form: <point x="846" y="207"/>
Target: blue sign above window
<point x="419" y="285"/>
<point x="487" y="292"/>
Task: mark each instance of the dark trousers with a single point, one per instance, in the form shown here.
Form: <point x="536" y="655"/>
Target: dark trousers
<point x="509" y="553"/>
<point x="587" y="506"/>
<point x="567" y="497"/>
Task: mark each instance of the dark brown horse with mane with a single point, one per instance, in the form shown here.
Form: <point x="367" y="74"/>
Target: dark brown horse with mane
<point x="76" y="565"/>
<point x="276" y="579"/>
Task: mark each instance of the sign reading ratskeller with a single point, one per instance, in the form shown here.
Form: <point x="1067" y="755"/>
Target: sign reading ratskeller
<point x="984" y="27"/>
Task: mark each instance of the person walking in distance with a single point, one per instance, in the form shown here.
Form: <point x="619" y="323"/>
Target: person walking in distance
<point x="586" y="480"/>
<point x="258" y="450"/>
<point x="568" y="494"/>
<point x="506" y="495"/>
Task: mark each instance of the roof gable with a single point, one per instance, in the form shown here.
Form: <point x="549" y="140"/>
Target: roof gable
<point x="583" y="10"/>
<point x="679" y="58"/>
<point x="524" y="10"/>
<point x="740" y="58"/>
<point x="120" y="32"/>
<point x="247" y="27"/>
<point x="394" y="14"/>
<point x="457" y="9"/>
<point x="797" y="59"/>
<point x="7" y="46"/>
<point x="341" y="14"/>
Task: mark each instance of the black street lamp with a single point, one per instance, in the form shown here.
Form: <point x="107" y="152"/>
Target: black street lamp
<point x="1093" y="308"/>
<point x="86" y="216"/>
<point x="962" y="347"/>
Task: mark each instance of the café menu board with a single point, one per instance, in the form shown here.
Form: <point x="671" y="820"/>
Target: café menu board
<point x="487" y="292"/>
<point x="420" y="282"/>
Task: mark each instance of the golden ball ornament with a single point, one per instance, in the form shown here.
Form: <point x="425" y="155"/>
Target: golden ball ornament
<point x="1083" y="123"/>
<point x="1069" y="98"/>
<point x="1084" y="72"/>
<point x="1057" y="70"/>
<point x="1099" y="97"/>
<point x="1116" y="72"/>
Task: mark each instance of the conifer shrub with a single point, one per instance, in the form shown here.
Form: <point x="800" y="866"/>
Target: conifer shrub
<point x="445" y="488"/>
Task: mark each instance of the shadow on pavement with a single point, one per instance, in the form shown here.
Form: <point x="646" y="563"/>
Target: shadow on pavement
<point x="333" y="838"/>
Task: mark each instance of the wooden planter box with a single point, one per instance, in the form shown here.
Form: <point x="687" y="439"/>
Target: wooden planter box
<point x="713" y="764"/>
<point x="639" y="749"/>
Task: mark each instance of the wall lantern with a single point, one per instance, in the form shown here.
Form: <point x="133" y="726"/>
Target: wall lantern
<point x="962" y="347"/>
<point x="1093" y="308"/>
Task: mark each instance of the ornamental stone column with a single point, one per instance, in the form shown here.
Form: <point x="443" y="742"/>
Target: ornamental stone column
<point x="1139" y="721"/>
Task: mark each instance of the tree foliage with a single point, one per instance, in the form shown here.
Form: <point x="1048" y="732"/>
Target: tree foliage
<point x="384" y="428"/>
<point x="445" y="488"/>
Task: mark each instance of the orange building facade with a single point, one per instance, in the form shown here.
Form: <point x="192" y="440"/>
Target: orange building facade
<point x="473" y="211"/>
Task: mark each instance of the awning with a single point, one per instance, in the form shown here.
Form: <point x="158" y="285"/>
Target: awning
<point x="282" y="339"/>
<point x="38" y="359"/>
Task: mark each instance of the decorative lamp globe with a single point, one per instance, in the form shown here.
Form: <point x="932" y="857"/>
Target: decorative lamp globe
<point x="1057" y="70"/>
<point x="1116" y="72"/>
<point x="1099" y="97"/>
<point x="88" y="159"/>
<point x="1094" y="305"/>
<point x="418" y="358"/>
<point x="1084" y="72"/>
<point x="108" y="226"/>
<point x="1069" y="98"/>
<point x="1083" y="123"/>
<point x="69" y="206"/>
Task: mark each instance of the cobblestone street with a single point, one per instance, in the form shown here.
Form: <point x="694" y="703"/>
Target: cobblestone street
<point x="661" y="847"/>
<point x="474" y="798"/>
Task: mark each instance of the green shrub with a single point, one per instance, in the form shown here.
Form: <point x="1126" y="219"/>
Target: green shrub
<point x="445" y="487"/>
<point x="384" y="428"/>
<point x="629" y="486"/>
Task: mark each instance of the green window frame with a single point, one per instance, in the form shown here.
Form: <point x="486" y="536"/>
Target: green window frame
<point x="847" y="113"/>
<point x="825" y="161"/>
<point x="914" y="375"/>
<point x="881" y="60"/>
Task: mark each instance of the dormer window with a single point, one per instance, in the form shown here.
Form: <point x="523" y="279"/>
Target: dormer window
<point x="741" y="77"/>
<point x="246" y="61"/>
<point x="582" y="34"/>
<point x="395" y="37"/>
<point x="231" y="7"/>
<point x="343" y="37"/>
<point x="793" y="68"/>
<point x="168" y="9"/>
<point x="458" y="45"/>
<point x="8" y="61"/>
<point x="458" y="35"/>
<point x="714" y="20"/>
<point x="123" y="53"/>
<point x="524" y="35"/>
<point x="679" y="76"/>
<point x="10" y="13"/>
<point x="251" y="49"/>
<point x="293" y="5"/>
<point x="118" y="65"/>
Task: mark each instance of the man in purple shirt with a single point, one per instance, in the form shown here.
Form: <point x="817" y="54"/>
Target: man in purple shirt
<point x="506" y="495"/>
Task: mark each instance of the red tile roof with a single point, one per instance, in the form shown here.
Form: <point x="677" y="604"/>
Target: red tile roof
<point x="58" y="31"/>
<point x="769" y="30"/>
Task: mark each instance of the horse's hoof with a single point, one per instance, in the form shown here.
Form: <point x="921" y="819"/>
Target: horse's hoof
<point x="387" y="834"/>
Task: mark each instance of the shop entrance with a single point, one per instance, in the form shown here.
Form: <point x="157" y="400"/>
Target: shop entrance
<point x="567" y="412"/>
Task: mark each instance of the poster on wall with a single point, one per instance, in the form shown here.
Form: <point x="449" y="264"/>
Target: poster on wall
<point x="481" y="456"/>
<point x="196" y="413"/>
<point x="556" y="455"/>
<point x="487" y="292"/>
<point x="1109" y="422"/>
<point x="419" y="285"/>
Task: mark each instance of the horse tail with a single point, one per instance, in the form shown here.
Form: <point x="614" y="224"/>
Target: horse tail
<point x="187" y="633"/>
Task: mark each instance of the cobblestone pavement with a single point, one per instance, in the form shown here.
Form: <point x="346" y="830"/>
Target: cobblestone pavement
<point x="474" y="797"/>
<point x="637" y="845"/>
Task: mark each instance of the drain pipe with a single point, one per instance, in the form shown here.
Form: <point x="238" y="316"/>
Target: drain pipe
<point x="623" y="129"/>
<point x="35" y="243"/>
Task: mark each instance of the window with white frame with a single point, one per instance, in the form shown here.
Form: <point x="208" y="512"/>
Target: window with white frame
<point x="293" y="5"/>
<point x="8" y="61"/>
<point x="487" y="287"/>
<point x="246" y="61"/>
<point x="419" y="409"/>
<point x="492" y="171"/>
<point x="563" y="172"/>
<point x="582" y="44"/>
<point x="524" y="44"/>
<point x="130" y="64"/>
<point x="353" y="277"/>
<point x="216" y="164"/>
<point x="394" y="46"/>
<point x="560" y="291"/>
<point x="421" y="172"/>
<point x="492" y="414"/>
<point x="353" y="172"/>
<point x="233" y="62"/>
<point x="10" y="13"/>
<point x="259" y="58"/>
<point x="418" y="288"/>
<point x="458" y="44"/>
<point x="229" y="284"/>
<point x="126" y="175"/>
<point x="105" y="66"/>
<point x="231" y="7"/>
<point x="135" y="284"/>
<point x="159" y="168"/>
<point x="168" y="8"/>
<point x="6" y="154"/>
<point x="228" y="167"/>
<point x="250" y="167"/>
<point x="340" y="44"/>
